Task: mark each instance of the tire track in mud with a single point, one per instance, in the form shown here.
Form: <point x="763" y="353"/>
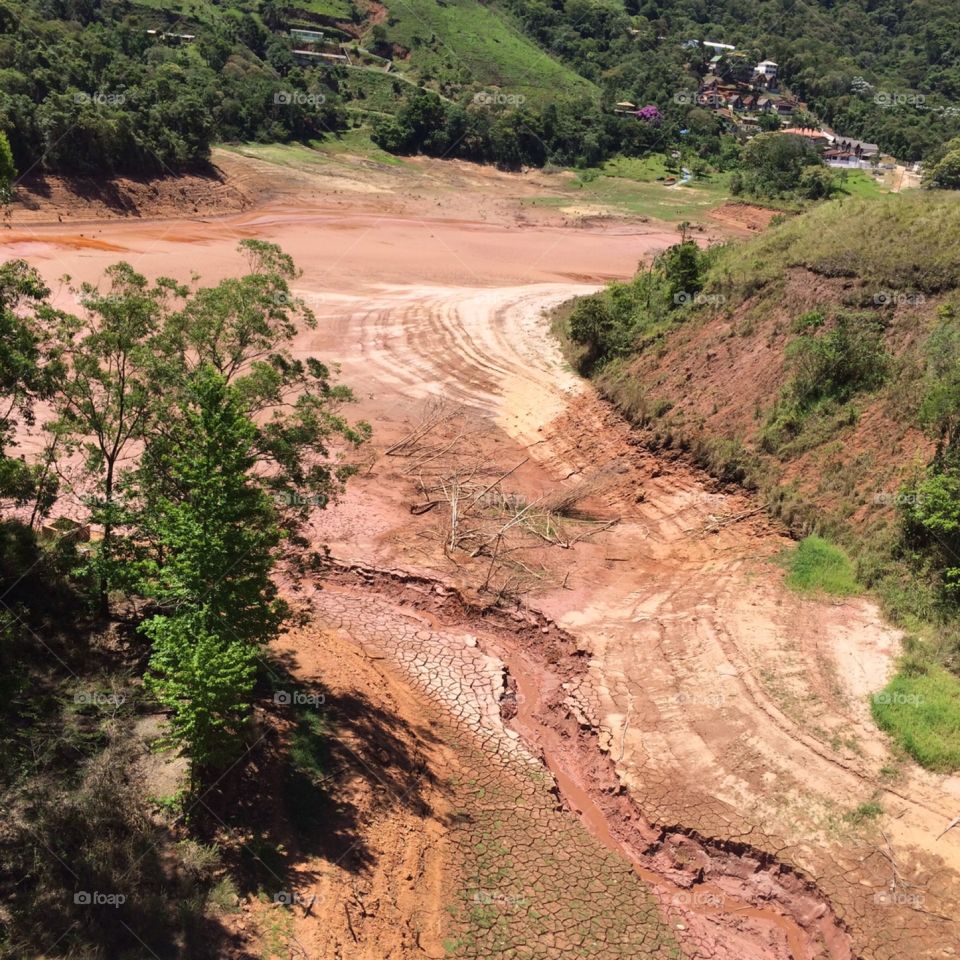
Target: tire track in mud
<point x="717" y="746"/>
<point x="440" y="341"/>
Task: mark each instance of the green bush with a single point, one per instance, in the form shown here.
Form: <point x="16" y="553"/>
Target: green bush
<point x="626" y="316"/>
<point x="828" y="369"/>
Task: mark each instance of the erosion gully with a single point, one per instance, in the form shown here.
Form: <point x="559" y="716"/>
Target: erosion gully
<point x="717" y="894"/>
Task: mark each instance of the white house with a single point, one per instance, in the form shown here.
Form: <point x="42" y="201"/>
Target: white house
<point x="767" y="68"/>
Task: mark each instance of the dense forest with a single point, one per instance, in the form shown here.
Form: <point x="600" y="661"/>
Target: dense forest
<point x="887" y="72"/>
<point x="84" y="87"/>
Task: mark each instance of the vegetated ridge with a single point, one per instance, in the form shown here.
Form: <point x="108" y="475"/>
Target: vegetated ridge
<point x="818" y="364"/>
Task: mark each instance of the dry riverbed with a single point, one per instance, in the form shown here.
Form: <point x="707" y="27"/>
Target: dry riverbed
<point x="648" y="745"/>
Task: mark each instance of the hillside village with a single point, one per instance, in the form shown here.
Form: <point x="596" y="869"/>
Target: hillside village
<point x="748" y="97"/>
<point x="742" y="94"/>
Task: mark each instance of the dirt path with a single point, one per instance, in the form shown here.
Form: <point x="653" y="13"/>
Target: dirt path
<point x="711" y="730"/>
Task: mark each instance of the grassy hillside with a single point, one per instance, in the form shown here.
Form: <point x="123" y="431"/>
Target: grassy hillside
<point x="818" y="365"/>
<point x="465" y="44"/>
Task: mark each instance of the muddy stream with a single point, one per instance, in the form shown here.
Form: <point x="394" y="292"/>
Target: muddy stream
<point x="686" y="894"/>
<point x="723" y="900"/>
<point x="716" y="905"/>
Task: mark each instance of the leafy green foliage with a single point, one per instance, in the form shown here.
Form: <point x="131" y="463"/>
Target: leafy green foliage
<point x="946" y="173"/>
<point x="86" y="90"/>
<point x="784" y="165"/>
<point x="130" y="355"/>
<point x="243" y="328"/>
<point x="566" y="131"/>
<point x="105" y="400"/>
<point x="829" y="367"/>
<point x="28" y="372"/>
<point x="930" y="506"/>
<point x="8" y="171"/>
<point x="216" y="532"/>
<point x="199" y="389"/>
<point x="837" y="363"/>
<point x="625" y="316"/>
<point x="940" y="405"/>
<point x="932" y="520"/>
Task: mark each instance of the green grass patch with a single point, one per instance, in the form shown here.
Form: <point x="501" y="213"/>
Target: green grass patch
<point x="864" y="813"/>
<point x="908" y="241"/>
<point x="643" y="198"/>
<point x="318" y="153"/>
<point x="859" y="183"/>
<point x="336" y="9"/>
<point x="920" y="709"/>
<point x="815" y="566"/>
<point x="642" y="169"/>
<point x="356" y="143"/>
<point x="464" y="42"/>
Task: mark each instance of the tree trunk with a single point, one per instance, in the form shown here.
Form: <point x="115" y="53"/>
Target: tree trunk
<point x="103" y="599"/>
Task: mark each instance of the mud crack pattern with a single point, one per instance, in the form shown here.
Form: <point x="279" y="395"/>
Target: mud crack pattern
<point x="537" y="885"/>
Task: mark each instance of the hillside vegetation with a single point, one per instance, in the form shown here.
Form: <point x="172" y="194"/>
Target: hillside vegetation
<point x="146" y="86"/>
<point x="818" y="364"/>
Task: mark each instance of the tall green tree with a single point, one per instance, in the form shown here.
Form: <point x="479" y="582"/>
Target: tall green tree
<point x="104" y="402"/>
<point x="775" y="163"/>
<point x="28" y="372"/>
<point x="217" y="532"/>
<point x="8" y="172"/>
<point x="931" y="510"/>
<point x="130" y="355"/>
<point x="244" y="329"/>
